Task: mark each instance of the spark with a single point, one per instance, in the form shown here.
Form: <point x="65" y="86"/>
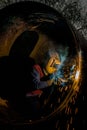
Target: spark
<point x="77" y="74"/>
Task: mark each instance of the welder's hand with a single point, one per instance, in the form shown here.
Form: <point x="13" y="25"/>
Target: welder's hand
<point x="50" y="82"/>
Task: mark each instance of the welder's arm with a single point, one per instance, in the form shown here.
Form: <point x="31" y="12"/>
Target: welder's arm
<point x="38" y="84"/>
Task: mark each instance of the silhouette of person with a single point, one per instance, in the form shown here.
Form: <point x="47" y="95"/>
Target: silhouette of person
<point x="20" y="66"/>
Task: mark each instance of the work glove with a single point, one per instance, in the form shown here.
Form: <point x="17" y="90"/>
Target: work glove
<point x="50" y="82"/>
